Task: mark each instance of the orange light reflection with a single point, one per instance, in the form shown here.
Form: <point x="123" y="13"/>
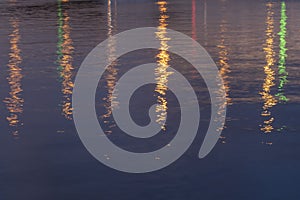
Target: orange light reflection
<point x="161" y="71"/>
<point x="14" y="102"/>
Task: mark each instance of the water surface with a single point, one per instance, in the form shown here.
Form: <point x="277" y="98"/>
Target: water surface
<point x="256" y="46"/>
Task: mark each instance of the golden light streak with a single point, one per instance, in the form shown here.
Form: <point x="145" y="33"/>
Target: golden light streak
<point x="223" y="62"/>
<point x="269" y="81"/>
<point x="224" y="70"/>
<point x="65" y="59"/>
<point x="14" y="102"/>
<point x="161" y="71"/>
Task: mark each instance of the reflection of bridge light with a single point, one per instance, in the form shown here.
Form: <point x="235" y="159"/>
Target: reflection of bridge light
<point x="65" y="51"/>
<point x="14" y="102"/>
<point x="161" y="72"/>
<point x="269" y="99"/>
<point x="282" y="55"/>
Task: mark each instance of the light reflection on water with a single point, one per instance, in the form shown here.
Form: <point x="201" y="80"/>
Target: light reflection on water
<point x="270" y="99"/>
<point x="14" y="102"/>
<point x="162" y="74"/>
<point x="275" y="72"/>
<point x="65" y="59"/>
<point x="258" y="57"/>
<point x="282" y="71"/>
<point x="283" y="74"/>
<point x="110" y="101"/>
<point x="224" y="69"/>
<point x="269" y="81"/>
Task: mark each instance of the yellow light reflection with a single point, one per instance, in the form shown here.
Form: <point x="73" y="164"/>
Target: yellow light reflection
<point x="112" y="71"/>
<point x="269" y="81"/>
<point x="65" y="51"/>
<point x="14" y="102"/>
<point x="224" y="70"/>
<point x="223" y="62"/>
<point x="161" y="71"/>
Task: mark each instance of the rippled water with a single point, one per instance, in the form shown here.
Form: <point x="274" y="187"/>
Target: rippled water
<point x="255" y="44"/>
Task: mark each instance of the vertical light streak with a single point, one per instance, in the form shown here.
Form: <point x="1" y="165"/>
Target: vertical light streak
<point x="224" y="69"/>
<point x="64" y="52"/>
<point x="283" y="74"/>
<point x="112" y="71"/>
<point x="224" y="60"/>
<point x="269" y="100"/>
<point x="161" y="71"/>
<point x="14" y="102"/>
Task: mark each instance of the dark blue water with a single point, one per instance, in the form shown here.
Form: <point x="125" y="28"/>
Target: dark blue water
<point x="256" y="46"/>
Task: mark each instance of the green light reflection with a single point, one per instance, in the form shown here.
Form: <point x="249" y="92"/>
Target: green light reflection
<point x="283" y="74"/>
